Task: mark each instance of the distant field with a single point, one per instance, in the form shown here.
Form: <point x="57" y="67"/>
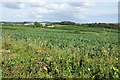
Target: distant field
<point x="63" y="51"/>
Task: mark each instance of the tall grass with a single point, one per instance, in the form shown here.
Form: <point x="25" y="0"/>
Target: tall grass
<point x="28" y="60"/>
<point x="36" y="54"/>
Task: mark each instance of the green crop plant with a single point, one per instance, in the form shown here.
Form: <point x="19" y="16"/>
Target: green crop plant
<point x="63" y="51"/>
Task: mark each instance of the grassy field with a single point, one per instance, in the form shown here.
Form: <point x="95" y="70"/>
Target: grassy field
<point x="63" y="51"/>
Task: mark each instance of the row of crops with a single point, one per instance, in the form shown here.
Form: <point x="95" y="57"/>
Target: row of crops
<point x="46" y="53"/>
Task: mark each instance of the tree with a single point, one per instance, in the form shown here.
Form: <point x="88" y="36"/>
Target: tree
<point x="37" y="24"/>
<point x="67" y="23"/>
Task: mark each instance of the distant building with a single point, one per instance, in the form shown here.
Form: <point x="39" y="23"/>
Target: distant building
<point x="1" y="23"/>
<point x="29" y="24"/>
<point x="26" y="24"/>
<point x="50" y="26"/>
<point x="43" y="24"/>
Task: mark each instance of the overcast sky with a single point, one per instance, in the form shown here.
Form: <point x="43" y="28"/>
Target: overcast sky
<point x="80" y="11"/>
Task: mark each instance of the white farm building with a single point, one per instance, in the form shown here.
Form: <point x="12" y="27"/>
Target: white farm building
<point x="50" y="26"/>
<point x="43" y="24"/>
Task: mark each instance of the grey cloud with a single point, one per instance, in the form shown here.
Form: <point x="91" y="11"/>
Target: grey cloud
<point x="59" y="11"/>
<point x="13" y="5"/>
<point x="81" y="4"/>
<point x="76" y="3"/>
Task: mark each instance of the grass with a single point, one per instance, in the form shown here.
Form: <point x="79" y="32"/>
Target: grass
<point x="67" y="53"/>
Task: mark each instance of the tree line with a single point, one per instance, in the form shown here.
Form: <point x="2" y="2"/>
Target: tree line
<point x="64" y="23"/>
<point x="104" y="25"/>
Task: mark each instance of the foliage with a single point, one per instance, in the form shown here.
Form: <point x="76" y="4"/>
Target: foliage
<point x="16" y="25"/>
<point x="37" y="24"/>
<point x="53" y="53"/>
<point x="104" y="25"/>
<point x="67" y="23"/>
<point x="48" y="25"/>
